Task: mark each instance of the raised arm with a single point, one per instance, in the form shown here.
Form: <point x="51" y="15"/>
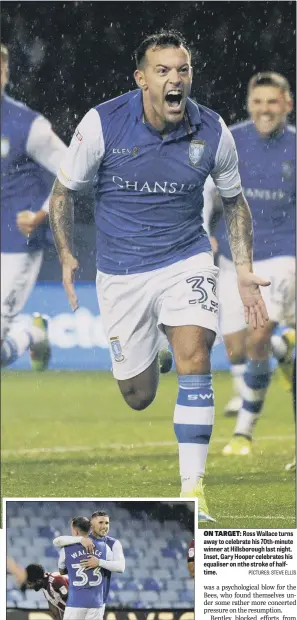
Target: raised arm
<point x="64" y="541"/>
<point x="17" y="570"/>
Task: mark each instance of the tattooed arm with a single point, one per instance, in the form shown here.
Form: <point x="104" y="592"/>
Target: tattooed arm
<point x="240" y="233"/>
<point x="240" y="230"/>
<point x="76" y="174"/>
<point x="61" y="216"/>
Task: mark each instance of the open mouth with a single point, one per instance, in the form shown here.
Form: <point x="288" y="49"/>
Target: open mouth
<point x="265" y="118"/>
<point x="174" y="99"/>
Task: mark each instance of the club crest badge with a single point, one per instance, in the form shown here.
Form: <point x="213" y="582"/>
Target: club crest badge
<point x="196" y="150"/>
<point x="287" y="169"/>
<point x="4" y="147"/>
<point x="116" y="349"/>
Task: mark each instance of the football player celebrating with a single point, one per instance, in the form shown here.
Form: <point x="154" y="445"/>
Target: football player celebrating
<point x="266" y="150"/>
<point x="86" y="599"/>
<point x="99" y="531"/>
<point x="53" y="585"/>
<point x="30" y="154"/>
<point x="153" y="148"/>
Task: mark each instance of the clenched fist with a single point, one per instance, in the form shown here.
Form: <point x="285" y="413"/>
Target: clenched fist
<point x="28" y="221"/>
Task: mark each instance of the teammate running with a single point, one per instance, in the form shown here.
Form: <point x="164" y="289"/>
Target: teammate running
<point x="153" y="148"/>
<point x="266" y="150"/>
<point x="30" y="154"/>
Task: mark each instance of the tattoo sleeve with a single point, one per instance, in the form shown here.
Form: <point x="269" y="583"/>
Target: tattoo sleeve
<point x="240" y="229"/>
<point x="61" y="217"/>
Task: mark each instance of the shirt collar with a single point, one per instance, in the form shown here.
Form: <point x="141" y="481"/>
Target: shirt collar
<point x="272" y="138"/>
<point x="192" y="109"/>
<point x="136" y="105"/>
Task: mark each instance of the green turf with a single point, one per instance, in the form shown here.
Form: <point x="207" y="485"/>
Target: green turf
<point x="83" y="441"/>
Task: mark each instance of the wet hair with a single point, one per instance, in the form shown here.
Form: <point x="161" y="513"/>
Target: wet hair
<point x="164" y="38"/>
<point x="270" y="78"/>
<point x="99" y="513"/>
<point x="35" y="572"/>
<point x="4" y="53"/>
<point x="82" y="523"/>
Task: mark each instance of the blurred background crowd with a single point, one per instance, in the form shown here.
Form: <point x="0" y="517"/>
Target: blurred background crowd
<point x="155" y="537"/>
<point x="66" y="57"/>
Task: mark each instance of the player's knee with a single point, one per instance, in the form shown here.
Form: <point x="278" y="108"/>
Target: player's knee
<point x="193" y="362"/>
<point x="192" y="346"/>
<point x="136" y="398"/>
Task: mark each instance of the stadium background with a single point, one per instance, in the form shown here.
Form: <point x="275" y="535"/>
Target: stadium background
<point x="71" y="433"/>
<point x="155" y="538"/>
<point x="66" y="57"/>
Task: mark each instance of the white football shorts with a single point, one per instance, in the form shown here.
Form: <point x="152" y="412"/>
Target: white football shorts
<point x="81" y="613"/>
<point x="279" y="297"/>
<point x="19" y="273"/>
<point x="135" y="307"/>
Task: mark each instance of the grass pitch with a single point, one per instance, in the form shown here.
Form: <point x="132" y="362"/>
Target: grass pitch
<point x="71" y="435"/>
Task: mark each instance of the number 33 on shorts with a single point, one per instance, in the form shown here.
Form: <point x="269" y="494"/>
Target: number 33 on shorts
<point x="204" y="292"/>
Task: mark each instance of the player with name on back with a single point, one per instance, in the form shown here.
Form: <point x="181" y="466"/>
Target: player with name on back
<point x="86" y="585"/>
<point x="99" y="523"/>
<point x="151" y="151"/>
<point x="30" y="155"/>
<point x="267" y="163"/>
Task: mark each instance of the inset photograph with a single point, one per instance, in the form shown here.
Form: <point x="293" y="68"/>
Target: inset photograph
<point x="95" y="560"/>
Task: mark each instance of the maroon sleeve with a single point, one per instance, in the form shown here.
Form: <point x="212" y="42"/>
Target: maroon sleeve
<point x="60" y="584"/>
<point x="191" y="551"/>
